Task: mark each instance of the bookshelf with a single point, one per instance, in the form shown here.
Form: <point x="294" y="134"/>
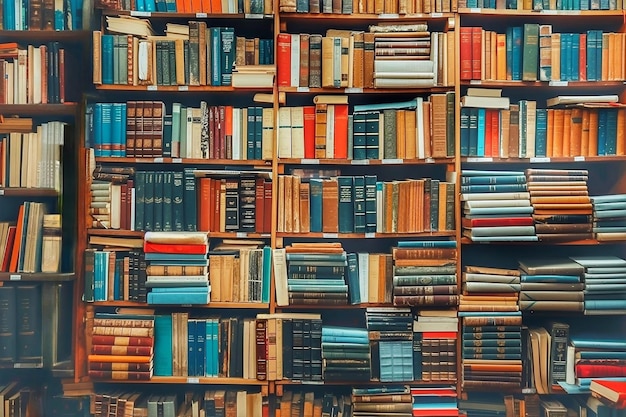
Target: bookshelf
<point x="309" y="172"/>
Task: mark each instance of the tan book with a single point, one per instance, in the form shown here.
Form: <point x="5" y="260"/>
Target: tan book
<point x="295" y="204"/>
<point x="280" y="215"/>
<point x="97" y="56"/>
<point x="288" y="204"/>
<point x="439" y="125"/>
<point x="555" y="56"/>
<point x="327" y="61"/>
<point x="267" y="138"/>
<point x="330" y="204"/>
<point x="305" y="224"/>
<point x="410" y="133"/>
<point x="320" y="130"/>
<point x="358" y="59"/>
<point x="368" y="60"/>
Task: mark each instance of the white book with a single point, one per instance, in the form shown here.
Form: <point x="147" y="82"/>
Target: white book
<point x="236" y="138"/>
<point x="405" y="75"/>
<point x="600" y="98"/>
<point x="402" y="65"/>
<point x="363" y="263"/>
<point x="419" y="129"/>
<point x="522" y="195"/>
<point x="496" y="203"/>
<point x="486" y="102"/>
<point x="434" y="54"/>
<point x="279" y="261"/>
<point x="531" y="122"/>
<point x="295" y="60"/>
<point x="330" y="131"/>
<point x="267" y="141"/>
<point x="116" y="206"/>
<point x="297" y="132"/>
<point x="37" y="76"/>
<point x="21" y="77"/>
<point x="284" y="132"/>
<point x="403" y="82"/>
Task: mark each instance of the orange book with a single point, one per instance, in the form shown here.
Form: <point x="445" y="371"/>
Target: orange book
<point x="9" y="249"/>
<point x="283" y="60"/>
<point x="330" y="206"/>
<point x="584" y="134"/>
<point x="613" y="391"/>
<point x="550" y="133"/>
<point x="204" y="201"/>
<point x="309" y="131"/>
<point x="216" y="6"/>
<point x="621" y="135"/>
<point x="410" y="134"/>
<point x="119" y="358"/>
<point x="593" y="132"/>
<point x="17" y="242"/>
<point x="493" y="367"/>
<point x="567" y="132"/>
<point x="195" y="6"/>
<point x="181" y="6"/>
<point x="341" y="131"/>
<point x="557" y="138"/>
<point x="206" y="6"/>
<point x="582" y="58"/>
<point x="401" y="133"/>
<point x="576" y="132"/>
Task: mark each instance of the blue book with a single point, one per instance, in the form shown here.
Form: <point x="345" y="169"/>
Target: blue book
<point x="97" y="140"/>
<point x="358" y="196"/>
<point x="370" y="203"/>
<point x="359" y="136"/>
<point x="516" y="53"/>
<point x="9" y="15"/>
<point x="101" y="265"/>
<point x="598" y="49"/>
<point x="605" y="304"/>
<point x="609" y="198"/>
<point x="473" y="132"/>
<point x="216" y="57"/>
<point x="354" y="332"/>
<point x="591" y="56"/>
<point x="163" y="345"/>
<point x="597" y="341"/>
<point x="192" y="341"/>
<point x="250" y="138"/>
<point x="495" y="178"/>
<point x="267" y="273"/>
<point x="608" y="214"/>
<point x="489" y="173"/>
<point x="575" y="65"/>
<point x="611" y="132"/>
<point x="315" y="201"/>
<point x="180" y="289"/>
<point x="372" y="141"/>
<point x="189" y="200"/>
<point x="609" y="206"/>
<point x="396" y="360"/>
<point x="321" y="282"/>
<point x="346" y="204"/>
<point x="566" y="56"/>
<point x="59" y="16"/>
<point x="541" y="132"/>
<point x="427" y="244"/>
<point x="77" y="14"/>
<point x="353" y="279"/>
<point x="200" y="346"/>
<point x="208" y="347"/>
<point x="480" y="132"/>
<point x="602" y="354"/>
<point x="304" y="288"/>
<point x="345" y="339"/>
<point x="464" y="125"/>
<point x="108" y="63"/>
<point x="140" y="5"/>
<point x="178" y="298"/>
<point x="107" y="130"/>
<point x="549" y="278"/>
<point x="118" y="131"/>
<point x="493" y="188"/>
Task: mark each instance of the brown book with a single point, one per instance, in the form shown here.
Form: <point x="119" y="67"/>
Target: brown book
<point x="492" y="321"/>
<point x="559" y="199"/>
<point x="320" y="129"/>
<point x="424" y="253"/>
<point x="139" y="132"/>
<point x="47" y="15"/>
<point x="514" y="126"/>
<point x="122" y="340"/>
<point x="121" y="366"/>
<point x="121" y="375"/>
<point x="330" y="206"/>
<point x="202" y="53"/>
<point x="420" y="300"/>
<point x="158" y="113"/>
<point x="121" y="350"/>
<point x="304" y="60"/>
<point x="491" y="270"/>
<point x="112" y="322"/>
<point x="368" y="59"/>
<point x="123" y="331"/>
<point x="305" y="209"/>
<point x="439" y="125"/>
<point x="315" y="61"/>
<point x="131" y="127"/>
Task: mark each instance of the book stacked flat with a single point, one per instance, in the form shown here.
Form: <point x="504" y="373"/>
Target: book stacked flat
<point x="387" y="400"/>
<point x="184" y="258"/>
<point x="551" y="284"/>
<point x="595" y="356"/>
<point x="561" y="205"/>
<point x="425" y="273"/>
<point x="316" y="274"/>
<point x="496" y="206"/>
<point x="490" y="289"/>
<point x="294" y="402"/>
<point x="609" y="217"/>
<point x="390" y="332"/>
<point x="605" y="284"/>
<point x="343" y="356"/>
<point x="435" y="334"/>
<point x="434" y="401"/>
<point x="403" y="56"/>
<point x="482" y="404"/>
<point x="122" y="347"/>
<point x="492" y="350"/>
<point x="611" y="392"/>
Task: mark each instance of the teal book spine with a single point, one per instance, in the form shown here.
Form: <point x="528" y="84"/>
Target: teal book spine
<point x="359" y="136"/>
<point x="464" y="126"/>
<point x="315" y="201"/>
<point x="108" y="63"/>
<point x="530" y="52"/>
<point x="493" y="179"/>
<point x="611" y="132"/>
<point x="227" y="55"/>
<point x="372" y="140"/>
<point x="370" y="203"/>
<point x="148" y="202"/>
<point x="107" y="129"/>
<point x="602" y="131"/>
<point x="258" y="133"/>
<point x="566" y="56"/>
<point x="251" y="137"/>
<point x="346" y="204"/>
<point x="118" y="129"/>
<point x="178" y="298"/>
<point x="541" y="132"/>
<point x="158" y="201"/>
<point x="358" y="196"/>
<point x="216" y="56"/>
<point x="427" y="244"/>
<point x="509" y="51"/>
<point x="163" y="345"/>
<point x="575" y="64"/>
<point x="192" y="340"/>
<point x="316" y="256"/>
<point x="166" y="213"/>
<point x="516" y="53"/>
<point x="8" y="324"/>
<point x="267" y="273"/>
<point x="189" y="200"/>
<point x="208" y="347"/>
<point x="480" y="132"/>
<point x="450" y="121"/>
<point x="492" y="342"/>
<point x="97" y="141"/>
<point x="353" y="279"/>
<point x="473" y="132"/>
<point x="200" y="346"/>
<point x="486" y="188"/>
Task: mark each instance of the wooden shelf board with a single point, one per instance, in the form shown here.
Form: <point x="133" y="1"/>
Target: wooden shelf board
<point x="543" y="84"/>
<point x="37" y="276"/>
<point x="309" y="90"/>
<point x="179" y="88"/>
<point x="64" y="109"/>
<point x="28" y="192"/>
<point x="176" y="15"/>
<point x="195" y="161"/>
<point x="375" y="383"/>
<point x="221" y="305"/>
<point x="544" y="13"/>
<point x="584" y="242"/>
<point x="45" y="35"/>
<point x="332" y="161"/>
<point x="363" y="17"/>
<point x="568" y="159"/>
<point x="450" y="233"/>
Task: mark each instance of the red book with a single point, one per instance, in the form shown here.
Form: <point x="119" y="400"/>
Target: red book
<point x="614" y="391"/>
<point x="283" y="60"/>
<point x="216" y="6"/>
<point x="17" y="241"/>
<point x="309" y="132"/>
<point x="497" y="221"/>
<point x="495" y="133"/>
<point x="477" y="36"/>
<point x="122" y="340"/>
<point x="466" y="53"/>
<point x="439" y="335"/>
<point x="217" y="190"/>
<point x="61" y="75"/>
<point x="341" y="131"/>
<point x="228" y="131"/>
<point x="204" y="201"/>
<point x="267" y="210"/>
<point x="259" y="203"/>
<point x="9" y="249"/>
<point x="150" y="247"/>
<point x="582" y="58"/>
<point x="488" y="132"/>
<point x="597" y="371"/>
<point x="121" y="350"/>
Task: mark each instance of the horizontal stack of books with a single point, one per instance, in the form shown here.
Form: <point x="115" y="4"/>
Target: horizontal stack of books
<point x="610" y="392"/>
<point x="492" y="350"/>
<point x="390" y="332"/>
<point x="434" y="401"/>
<point x="609" y="216"/>
<point x="482" y="404"/>
<point x="605" y="284"/>
<point x="596" y="356"/>
<point x="381" y="401"/>
<point x="122" y="347"/>
<point x="435" y="334"/>
<point x="490" y="289"/>
<point x="561" y="204"/>
<point x="425" y="273"/>
<point x="496" y="206"/>
<point x="296" y="401"/>
<point x="552" y="284"/>
<point x="343" y="356"/>
<point x="178" y="249"/>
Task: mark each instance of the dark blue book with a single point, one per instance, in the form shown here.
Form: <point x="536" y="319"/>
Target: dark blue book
<point x="250" y="138"/>
<point x="189" y="200"/>
<point x="486" y="188"/>
<point x="258" y="133"/>
<point x="566" y="56"/>
<point x="611" y="132"/>
<point x="358" y="196"/>
<point x="215" y="74"/>
<point x="492" y="342"/>
<point x="315" y="201"/>
<point x="575" y="65"/>
<point x="353" y="279"/>
<point x="493" y="178"/>
<point x="148" y="202"/>
<point x="346" y="204"/>
<point x="192" y="341"/>
<point x="516" y="53"/>
<point x="541" y="132"/>
<point x="372" y="141"/>
<point x="465" y="133"/>
<point x="359" y="136"/>
<point x="473" y="132"/>
<point x="106" y="129"/>
<point x="370" y="203"/>
<point x="427" y="244"/>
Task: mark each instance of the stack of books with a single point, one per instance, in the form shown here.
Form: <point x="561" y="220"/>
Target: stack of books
<point x="484" y="405"/>
<point x="490" y="289"/>
<point x="316" y="274"/>
<point x="605" y="279"/>
<point x="425" y="273"/>
<point x="496" y="206"/>
<point x="595" y="356"/>
<point x="295" y="401"/>
<point x="188" y="285"/>
<point x="122" y="347"/>
<point x="390" y="332"/>
<point x="435" y="334"/>
<point x="609" y="216"/>
<point x="610" y="392"/>
<point x="492" y="350"/>
<point x="551" y="284"/>
<point x="342" y="354"/>
<point x="403" y="56"/>
<point x="382" y="401"/>
<point x="561" y="205"/>
<point x="434" y="401"/>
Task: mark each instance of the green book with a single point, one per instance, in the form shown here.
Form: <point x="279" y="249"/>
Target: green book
<point x="166" y="223"/>
<point x="450" y="118"/>
<point x="140" y="186"/>
<point x="148" y="201"/>
<point x="390" y="140"/>
<point x="189" y="200"/>
<point x="346" y="204"/>
<point x="530" y="52"/>
<point x="158" y="201"/>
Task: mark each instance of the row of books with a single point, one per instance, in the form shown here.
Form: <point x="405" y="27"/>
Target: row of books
<point x="33" y="243"/>
<point x="189" y="6"/>
<point x="203" y="57"/>
<point x="42" y="15"/>
<point x="209" y="402"/>
<point x="394" y="7"/>
<point x="410" y="57"/>
<point x="534" y="53"/>
<point x="543" y="5"/>
<point x="33" y="160"/>
<point x="32" y="75"/>
<point x="399" y="130"/>
<point x="146" y="129"/>
<point x="362" y="204"/>
<point x="112" y="275"/>
<point x="524" y="131"/>
<point x="21" y="309"/>
<point x="109" y="360"/>
<point x="16" y="396"/>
